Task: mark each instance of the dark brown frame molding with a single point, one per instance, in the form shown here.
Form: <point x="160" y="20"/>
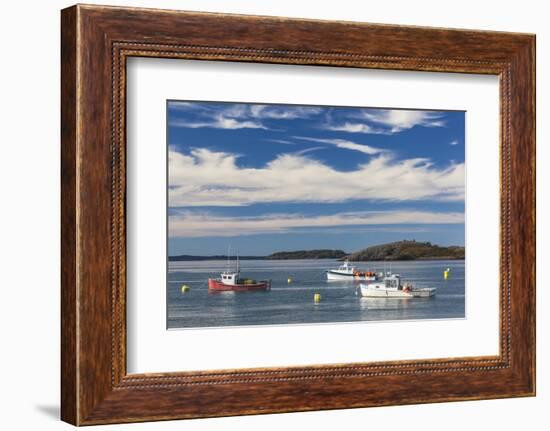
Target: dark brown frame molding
<point x="95" y="43"/>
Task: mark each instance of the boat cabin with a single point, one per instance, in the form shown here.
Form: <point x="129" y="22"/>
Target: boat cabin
<point x="345" y="267"/>
<point x="229" y="277"/>
<point x="392" y="281"/>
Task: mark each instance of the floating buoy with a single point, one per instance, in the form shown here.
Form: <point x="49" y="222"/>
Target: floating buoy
<point x="317" y="297"/>
<point x="185" y="288"/>
<point x="446" y="273"/>
<point x="289" y="280"/>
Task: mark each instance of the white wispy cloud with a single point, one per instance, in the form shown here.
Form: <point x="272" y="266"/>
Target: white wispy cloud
<point x="219" y="122"/>
<point x="455" y="142"/>
<point x="308" y="150"/>
<point x="356" y="128"/>
<point x="180" y="104"/>
<point x="282" y="112"/>
<point x="208" y="178"/>
<point x="384" y="121"/>
<point x="237" y="115"/>
<point x="398" y="120"/>
<point x="281" y="141"/>
<point x="192" y="224"/>
<point x="343" y="143"/>
<point x="241" y="115"/>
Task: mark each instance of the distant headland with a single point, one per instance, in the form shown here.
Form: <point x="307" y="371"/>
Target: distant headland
<point x="399" y="250"/>
<point x="408" y="250"/>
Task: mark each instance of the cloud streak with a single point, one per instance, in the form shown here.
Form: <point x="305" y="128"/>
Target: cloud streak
<point x="254" y="116"/>
<point x="357" y="128"/>
<point x="219" y="122"/>
<point x="208" y="178"/>
<point x="387" y="121"/>
<point x="398" y="120"/>
<point x="231" y="116"/>
<point x="348" y="145"/>
<point x="282" y="112"/>
<point x="193" y="224"/>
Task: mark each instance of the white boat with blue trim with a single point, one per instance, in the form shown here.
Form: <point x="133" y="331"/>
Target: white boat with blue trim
<point x="349" y="272"/>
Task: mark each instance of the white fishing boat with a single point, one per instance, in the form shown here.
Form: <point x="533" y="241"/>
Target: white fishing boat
<point x="349" y="272"/>
<point x="392" y="287"/>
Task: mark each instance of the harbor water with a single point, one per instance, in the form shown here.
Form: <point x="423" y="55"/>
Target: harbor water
<point x="294" y="286"/>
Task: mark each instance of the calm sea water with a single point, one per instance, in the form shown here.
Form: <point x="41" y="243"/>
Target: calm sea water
<point x="292" y="303"/>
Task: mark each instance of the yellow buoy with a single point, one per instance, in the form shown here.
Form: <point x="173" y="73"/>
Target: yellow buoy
<point x="289" y="280"/>
<point x="184" y="288"/>
<point x="317" y="297"/>
<point x="446" y="273"/>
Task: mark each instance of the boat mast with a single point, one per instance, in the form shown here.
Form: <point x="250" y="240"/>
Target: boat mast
<point x="228" y="266"/>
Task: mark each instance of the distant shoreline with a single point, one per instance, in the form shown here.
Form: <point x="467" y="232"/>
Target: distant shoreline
<point x="221" y="258"/>
<point x="407" y="250"/>
<point x="281" y="255"/>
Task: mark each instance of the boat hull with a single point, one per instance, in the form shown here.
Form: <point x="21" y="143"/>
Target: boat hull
<point x="215" y="285"/>
<point x="370" y="292"/>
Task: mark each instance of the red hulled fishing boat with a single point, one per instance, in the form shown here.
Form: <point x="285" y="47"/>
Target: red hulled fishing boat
<point x="231" y="281"/>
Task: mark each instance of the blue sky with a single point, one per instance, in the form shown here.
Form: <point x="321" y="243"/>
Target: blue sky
<point x="266" y="178"/>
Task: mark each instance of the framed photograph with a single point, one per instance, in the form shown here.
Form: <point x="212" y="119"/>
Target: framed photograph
<point x="279" y="181"/>
<point x="265" y="215"/>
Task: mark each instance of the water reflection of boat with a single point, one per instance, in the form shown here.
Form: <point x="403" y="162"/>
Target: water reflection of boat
<point x="349" y="272"/>
<point x="384" y="305"/>
<point x="392" y="287"/>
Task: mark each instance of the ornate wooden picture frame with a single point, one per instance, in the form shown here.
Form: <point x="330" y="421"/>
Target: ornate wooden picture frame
<point x="96" y="41"/>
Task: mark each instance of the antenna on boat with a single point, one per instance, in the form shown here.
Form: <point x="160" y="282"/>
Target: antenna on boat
<point x="228" y="257"/>
<point x="238" y="263"/>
